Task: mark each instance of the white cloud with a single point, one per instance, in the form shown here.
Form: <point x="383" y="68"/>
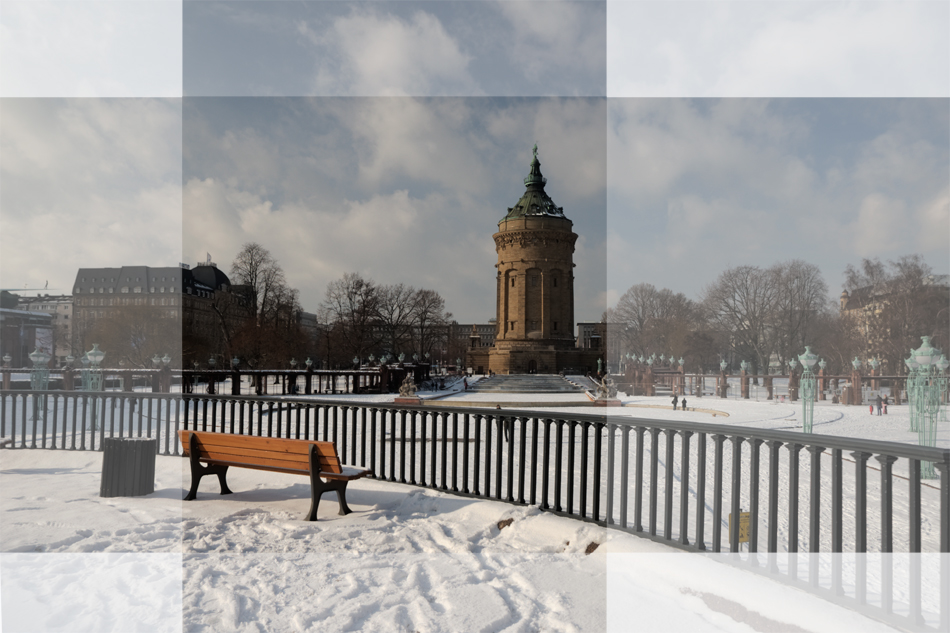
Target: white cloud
<point x="879" y="227"/>
<point x="933" y="218"/>
<point x="88" y="183"/>
<point x="90" y="49"/>
<point x="554" y="37"/>
<point x="728" y="48"/>
<point x="374" y="54"/>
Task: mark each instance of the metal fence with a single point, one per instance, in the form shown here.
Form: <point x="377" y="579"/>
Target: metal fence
<point x="859" y="524"/>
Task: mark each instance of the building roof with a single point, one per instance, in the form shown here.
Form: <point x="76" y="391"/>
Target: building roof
<point x="535" y="200"/>
<point x="145" y="278"/>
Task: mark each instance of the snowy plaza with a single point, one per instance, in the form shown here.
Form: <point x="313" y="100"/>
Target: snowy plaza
<point x="409" y="558"/>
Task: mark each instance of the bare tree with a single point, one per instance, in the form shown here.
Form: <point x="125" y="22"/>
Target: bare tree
<point x="394" y="308"/>
<point x="429" y="320"/>
<point x="894" y="304"/>
<point x="272" y="334"/>
<point x="742" y="303"/>
<point x="653" y="320"/>
<point x="801" y="298"/>
<point x="351" y="307"/>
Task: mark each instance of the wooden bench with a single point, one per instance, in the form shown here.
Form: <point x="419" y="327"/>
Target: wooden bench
<point x="318" y="460"/>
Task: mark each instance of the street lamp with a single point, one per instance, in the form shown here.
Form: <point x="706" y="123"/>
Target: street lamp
<point x="211" y="362"/>
<point x="293" y="363"/>
<point x="235" y="362"/>
<point x="92" y="376"/>
<point x="356" y="362"/>
<point x="39" y="380"/>
<point x="166" y="359"/>
<point x="722" y="366"/>
<point x="856" y="363"/>
<point x="156" y="361"/>
<point x="928" y="388"/>
<point x="402" y="357"/>
<point x="808" y="389"/>
<point x="308" y="363"/>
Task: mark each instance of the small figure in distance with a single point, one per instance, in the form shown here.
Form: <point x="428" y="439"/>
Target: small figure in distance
<point x="684" y="404"/>
<point x="878" y="401"/>
<point x="676" y="401"/>
<point x="885" y="404"/>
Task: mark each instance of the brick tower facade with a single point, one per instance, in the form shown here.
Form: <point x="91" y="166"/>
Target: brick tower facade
<point x="534" y="288"/>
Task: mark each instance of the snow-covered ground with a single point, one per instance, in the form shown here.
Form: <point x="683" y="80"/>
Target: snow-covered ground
<point x="406" y="559"/>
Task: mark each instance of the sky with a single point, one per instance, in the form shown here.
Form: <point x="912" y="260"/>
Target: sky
<point x="389" y="138"/>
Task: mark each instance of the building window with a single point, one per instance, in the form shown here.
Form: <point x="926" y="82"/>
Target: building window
<point x="555" y="326"/>
<point x="555" y="282"/>
<point x="110" y="290"/>
<point x="125" y="290"/>
<point x="512" y="282"/>
<point x="137" y="289"/>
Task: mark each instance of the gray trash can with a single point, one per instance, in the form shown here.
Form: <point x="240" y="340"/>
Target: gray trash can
<point x="128" y="466"/>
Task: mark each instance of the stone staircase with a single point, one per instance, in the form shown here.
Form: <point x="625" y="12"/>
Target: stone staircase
<point x="525" y="383"/>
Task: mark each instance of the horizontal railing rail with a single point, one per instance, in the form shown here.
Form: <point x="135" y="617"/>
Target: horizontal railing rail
<point x="680" y="483"/>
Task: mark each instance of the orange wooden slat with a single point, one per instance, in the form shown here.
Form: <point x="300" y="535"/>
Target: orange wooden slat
<point x="264" y="443"/>
<point x="286" y="454"/>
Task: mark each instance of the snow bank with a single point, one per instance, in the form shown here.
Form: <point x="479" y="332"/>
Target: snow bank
<point x="406" y="559"/>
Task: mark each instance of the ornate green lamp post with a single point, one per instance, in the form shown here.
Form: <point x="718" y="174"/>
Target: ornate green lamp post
<point x="39" y="375"/>
<point x="912" y="389"/>
<point x="808" y="388"/>
<point x="92" y="378"/>
<point x="39" y="379"/>
<point x="928" y="400"/>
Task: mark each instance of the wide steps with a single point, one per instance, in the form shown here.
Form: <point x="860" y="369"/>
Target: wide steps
<point x="525" y="383"/>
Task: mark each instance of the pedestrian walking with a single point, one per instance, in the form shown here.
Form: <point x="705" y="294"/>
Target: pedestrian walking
<point x="878" y="402"/>
<point x="676" y="401"/>
<point x="684" y="404"/>
<point x="885" y="404"/>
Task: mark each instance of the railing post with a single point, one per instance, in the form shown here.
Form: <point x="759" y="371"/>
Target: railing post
<point x="684" y="486"/>
<point x="701" y="491"/>
<point x="668" y="487"/>
<point x="735" y="506"/>
<point x="754" y="444"/>
<point x="624" y="472"/>
<point x="717" y="493"/>
<point x="638" y="484"/>
<point x="944" y="469"/>
<point x="583" y="474"/>
<point x="654" y="463"/>
<point x="887" y="534"/>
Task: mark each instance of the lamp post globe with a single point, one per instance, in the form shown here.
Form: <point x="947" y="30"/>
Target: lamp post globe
<point x="722" y="366"/>
<point x="166" y="359"/>
<point x="925" y="355"/>
<point x="293" y="363"/>
<point x="235" y="362"/>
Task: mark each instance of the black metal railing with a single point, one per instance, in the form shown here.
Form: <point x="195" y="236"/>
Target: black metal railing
<point x="836" y="527"/>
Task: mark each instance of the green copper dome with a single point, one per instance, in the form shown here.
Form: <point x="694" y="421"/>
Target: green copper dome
<point x="535" y="201"/>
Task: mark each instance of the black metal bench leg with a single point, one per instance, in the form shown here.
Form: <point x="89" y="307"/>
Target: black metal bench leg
<point x="316" y="485"/>
<point x="341" y="495"/>
<point x="222" y="473"/>
<point x="197" y="471"/>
